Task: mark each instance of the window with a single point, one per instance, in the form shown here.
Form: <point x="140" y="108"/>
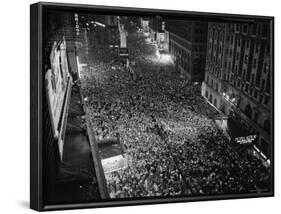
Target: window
<point x="251" y="91"/>
<point x="226" y="51"/>
<point x="259" y="29"/>
<point x="246" y="88"/>
<point x="245" y="28"/>
<point x="256" y="117"/>
<point x="256" y="93"/>
<point x="237" y="55"/>
<point x="266" y="68"/>
<point x="255" y="63"/>
<point x="244" y="73"/>
<point x="257" y="47"/>
<point x="221" y="35"/>
<point x="246" y="59"/>
<point x="266" y="125"/>
<point x="264" y="147"/>
<point x="262" y="84"/>
<point x="247" y="43"/>
<point x="254" y="29"/>
<point x="239" y="42"/>
<point x="268" y="84"/>
<point x="266" y="100"/>
<point x="261" y="98"/>
<point x="248" y="111"/>
<point x="264" y="30"/>
<point x="253" y="78"/>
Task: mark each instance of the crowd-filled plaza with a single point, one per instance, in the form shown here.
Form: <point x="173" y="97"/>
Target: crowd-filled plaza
<point x="166" y="126"/>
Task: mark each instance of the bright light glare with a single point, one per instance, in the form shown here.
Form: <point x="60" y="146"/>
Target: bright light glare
<point x="165" y="58"/>
<point x="146" y="34"/>
<point x="100" y="24"/>
<point x="157" y="53"/>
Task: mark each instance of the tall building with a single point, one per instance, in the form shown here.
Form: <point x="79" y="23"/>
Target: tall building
<point x="144" y="22"/>
<point x="238" y="76"/>
<point x="158" y="34"/>
<point x="112" y="32"/>
<point x="187" y="46"/>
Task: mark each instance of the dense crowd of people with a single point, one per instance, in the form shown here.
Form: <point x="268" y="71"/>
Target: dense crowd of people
<point x="166" y="127"/>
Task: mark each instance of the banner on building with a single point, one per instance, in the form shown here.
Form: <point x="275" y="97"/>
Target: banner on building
<point x="56" y="80"/>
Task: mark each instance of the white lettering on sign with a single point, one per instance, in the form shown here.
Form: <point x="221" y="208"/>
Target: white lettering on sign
<point x="245" y="140"/>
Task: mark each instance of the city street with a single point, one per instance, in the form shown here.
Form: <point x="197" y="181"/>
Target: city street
<point x="165" y="125"/>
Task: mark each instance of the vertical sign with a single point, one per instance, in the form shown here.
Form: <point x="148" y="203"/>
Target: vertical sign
<point x="56" y="84"/>
<point x="123" y="36"/>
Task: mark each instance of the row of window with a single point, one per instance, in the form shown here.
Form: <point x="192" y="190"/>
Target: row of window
<point x="182" y="57"/>
<point x="238" y="41"/>
<point x="254" y="115"/>
<point x="252" y="91"/>
<point x="255" y="29"/>
<point x="210" y="98"/>
<point x="213" y="84"/>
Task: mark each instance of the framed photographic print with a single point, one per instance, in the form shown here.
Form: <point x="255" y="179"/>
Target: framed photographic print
<point x="140" y="106"/>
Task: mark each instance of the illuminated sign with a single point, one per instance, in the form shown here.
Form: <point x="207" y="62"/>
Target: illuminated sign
<point x="114" y="163"/>
<point x="56" y="80"/>
<point x="245" y="140"/>
<point x="76" y="24"/>
<point x="123" y="36"/>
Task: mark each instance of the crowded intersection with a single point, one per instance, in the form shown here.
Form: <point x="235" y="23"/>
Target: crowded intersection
<point x="172" y="142"/>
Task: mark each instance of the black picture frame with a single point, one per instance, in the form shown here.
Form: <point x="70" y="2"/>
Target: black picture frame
<point x="36" y="100"/>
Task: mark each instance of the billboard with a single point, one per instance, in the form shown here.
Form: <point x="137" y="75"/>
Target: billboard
<point x="123" y="36"/>
<point x="56" y="79"/>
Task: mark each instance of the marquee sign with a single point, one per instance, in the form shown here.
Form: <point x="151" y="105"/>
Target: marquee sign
<point x="114" y="163"/>
<point x="245" y="140"/>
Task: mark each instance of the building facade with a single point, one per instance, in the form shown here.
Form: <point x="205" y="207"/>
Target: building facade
<point x="187" y="46"/>
<point x="157" y="33"/>
<point x="238" y="76"/>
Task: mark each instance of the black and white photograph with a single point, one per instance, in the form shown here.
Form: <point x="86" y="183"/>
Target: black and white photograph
<point x="155" y="106"/>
